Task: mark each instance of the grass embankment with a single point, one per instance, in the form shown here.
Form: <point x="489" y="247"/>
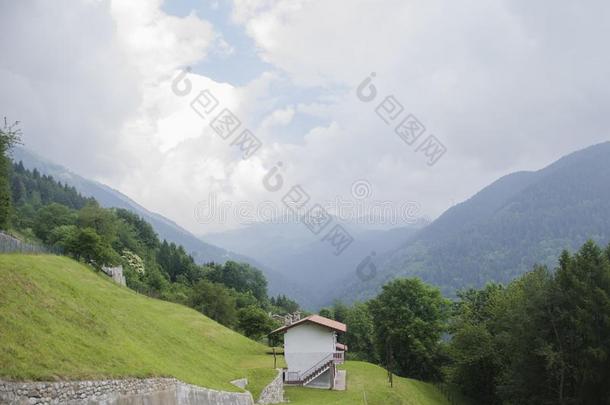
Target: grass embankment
<point x="61" y="320"/>
<point x="368" y="384"/>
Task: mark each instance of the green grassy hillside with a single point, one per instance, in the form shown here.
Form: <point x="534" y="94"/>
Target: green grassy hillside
<point x="368" y="384"/>
<point x="61" y="320"/>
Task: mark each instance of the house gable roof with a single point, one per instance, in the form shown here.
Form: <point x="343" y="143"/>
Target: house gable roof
<point x="318" y="320"/>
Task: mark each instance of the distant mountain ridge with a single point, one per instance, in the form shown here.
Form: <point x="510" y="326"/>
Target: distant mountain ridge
<point x="310" y="272"/>
<point x="522" y="219"/>
<point x="107" y="197"/>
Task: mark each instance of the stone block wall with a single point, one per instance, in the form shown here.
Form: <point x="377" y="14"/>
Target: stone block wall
<point x="152" y="391"/>
<point x="274" y="392"/>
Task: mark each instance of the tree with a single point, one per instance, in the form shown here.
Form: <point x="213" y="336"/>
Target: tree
<point x="327" y="313"/>
<point x="242" y="278"/>
<point x="285" y="304"/>
<point x="50" y="217"/>
<point x="155" y="280"/>
<point x="63" y="237"/>
<point x="340" y="311"/>
<point x="544" y="339"/>
<point x="581" y="326"/>
<point x="88" y="246"/>
<point x="214" y="301"/>
<point x="10" y="135"/>
<point x="18" y="191"/>
<point x="409" y="318"/>
<point x="145" y="232"/>
<point x="476" y="364"/>
<point x="175" y="262"/>
<point x="359" y="336"/>
<point x="254" y="322"/>
<point x="99" y="219"/>
<point x="243" y="300"/>
<point x="522" y="327"/>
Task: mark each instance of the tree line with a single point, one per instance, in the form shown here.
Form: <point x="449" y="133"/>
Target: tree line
<point x="542" y="339"/>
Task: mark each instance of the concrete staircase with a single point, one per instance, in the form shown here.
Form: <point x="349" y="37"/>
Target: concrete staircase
<point x="306" y="379"/>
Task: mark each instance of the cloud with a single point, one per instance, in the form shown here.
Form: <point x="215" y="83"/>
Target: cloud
<point x="157" y="43"/>
<point x="90" y="82"/>
<point x="63" y="74"/>
<point x="504" y="85"/>
<point x="280" y="117"/>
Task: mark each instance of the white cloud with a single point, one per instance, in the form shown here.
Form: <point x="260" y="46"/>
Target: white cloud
<point x="280" y="117"/>
<point x="505" y="86"/>
<point x="63" y="74"/>
<point x="157" y="43"/>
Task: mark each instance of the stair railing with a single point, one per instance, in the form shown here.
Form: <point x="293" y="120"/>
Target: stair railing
<point x="327" y="359"/>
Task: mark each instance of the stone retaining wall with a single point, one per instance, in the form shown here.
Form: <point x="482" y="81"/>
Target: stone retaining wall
<point x="152" y="391"/>
<point x="274" y="392"/>
<point x="116" y="274"/>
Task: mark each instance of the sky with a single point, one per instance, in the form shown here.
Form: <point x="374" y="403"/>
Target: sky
<point x="325" y="88"/>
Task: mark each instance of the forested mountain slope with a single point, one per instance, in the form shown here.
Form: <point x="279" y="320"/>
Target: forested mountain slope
<point x="107" y="197"/>
<point x="520" y="220"/>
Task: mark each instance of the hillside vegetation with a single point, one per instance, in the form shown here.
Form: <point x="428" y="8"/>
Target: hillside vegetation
<point x="542" y="339"/>
<point x="45" y="211"/>
<point x="61" y="320"/>
<point x="523" y="219"/>
<point x="109" y="198"/>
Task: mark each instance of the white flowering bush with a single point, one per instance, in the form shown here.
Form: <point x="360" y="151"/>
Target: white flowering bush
<point x="133" y="261"/>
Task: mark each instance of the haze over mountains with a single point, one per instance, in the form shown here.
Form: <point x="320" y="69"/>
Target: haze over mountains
<point x="520" y="220"/>
<point x="201" y="251"/>
<point x="307" y="263"/>
<point x="108" y="197"/>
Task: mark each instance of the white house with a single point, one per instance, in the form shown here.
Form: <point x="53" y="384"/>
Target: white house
<point x="312" y="352"/>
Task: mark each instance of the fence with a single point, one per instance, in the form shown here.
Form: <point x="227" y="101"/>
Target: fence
<point x="9" y="244"/>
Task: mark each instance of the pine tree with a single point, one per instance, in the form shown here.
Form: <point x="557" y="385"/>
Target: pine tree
<point x="9" y="136"/>
<point x="582" y="299"/>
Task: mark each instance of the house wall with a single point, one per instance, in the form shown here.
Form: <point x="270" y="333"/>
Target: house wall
<point x="307" y="344"/>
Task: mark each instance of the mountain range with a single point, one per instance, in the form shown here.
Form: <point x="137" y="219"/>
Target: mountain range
<point x="292" y="259"/>
<point x="304" y="260"/>
<point x="167" y="229"/>
<point x="522" y="219"/>
<point x="108" y="197"/>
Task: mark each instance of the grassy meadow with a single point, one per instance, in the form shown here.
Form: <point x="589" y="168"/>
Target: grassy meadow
<point x="61" y="320"/>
